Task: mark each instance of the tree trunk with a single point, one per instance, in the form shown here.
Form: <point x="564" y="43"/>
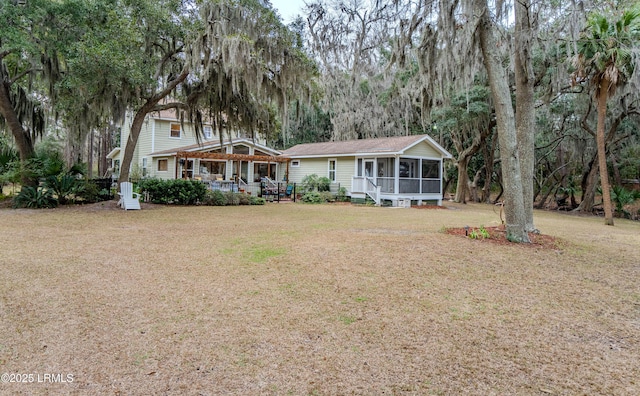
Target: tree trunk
<point x="589" y="188"/>
<point x="602" y="96"/>
<point x="488" y="152"/>
<point x="132" y="140"/>
<point x="507" y="137"/>
<point x="463" y="181"/>
<point x="23" y="140"/>
<point x="136" y="125"/>
<point x="90" y="155"/>
<point x="525" y="111"/>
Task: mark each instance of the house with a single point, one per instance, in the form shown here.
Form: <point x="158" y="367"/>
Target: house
<point x="167" y="149"/>
<point x="397" y="170"/>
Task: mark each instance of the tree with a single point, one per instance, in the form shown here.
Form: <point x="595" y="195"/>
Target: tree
<point x="525" y="110"/>
<point x="32" y="39"/>
<point x="515" y="217"/>
<point x="606" y="60"/>
<point x="469" y="122"/>
<point x="365" y="94"/>
<point x="247" y="68"/>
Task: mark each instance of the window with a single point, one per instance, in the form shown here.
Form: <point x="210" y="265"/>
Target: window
<point x="144" y="167"/>
<point x="332" y="169"/>
<point x="208" y="132"/>
<point x="175" y="131"/>
<point x="241" y="149"/>
<point x="408" y="168"/>
<point x="295" y="164"/>
<point x="163" y="165"/>
<point x="261" y="170"/>
<point x="430" y="169"/>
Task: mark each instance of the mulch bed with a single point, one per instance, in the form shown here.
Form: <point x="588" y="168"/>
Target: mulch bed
<point x="428" y="207"/>
<point x="498" y="235"/>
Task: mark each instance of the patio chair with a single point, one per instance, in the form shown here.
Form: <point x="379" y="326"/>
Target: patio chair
<point x="286" y="191"/>
<point x="129" y="200"/>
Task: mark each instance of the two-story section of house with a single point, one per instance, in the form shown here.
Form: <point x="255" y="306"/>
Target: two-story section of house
<point x="163" y="138"/>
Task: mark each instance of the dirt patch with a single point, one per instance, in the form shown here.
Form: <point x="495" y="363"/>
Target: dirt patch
<point x="498" y="235"/>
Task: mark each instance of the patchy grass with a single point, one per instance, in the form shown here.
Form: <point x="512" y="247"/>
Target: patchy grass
<point x="315" y="300"/>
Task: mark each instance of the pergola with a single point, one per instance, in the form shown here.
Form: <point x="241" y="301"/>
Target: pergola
<point x="234" y="157"/>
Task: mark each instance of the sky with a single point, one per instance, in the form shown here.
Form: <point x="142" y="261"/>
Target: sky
<point x="288" y="9"/>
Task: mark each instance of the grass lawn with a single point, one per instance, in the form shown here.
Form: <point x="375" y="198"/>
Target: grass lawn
<point x="315" y="300"/>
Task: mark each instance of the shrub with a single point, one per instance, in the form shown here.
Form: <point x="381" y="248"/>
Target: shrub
<point x="233" y="199"/>
<point x="243" y="199"/>
<point x="215" y="198"/>
<point x="177" y="192"/>
<point x="315" y="183"/>
<point x="312" y="197"/>
<point x="341" y="196"/>
<point x="327" y="196"/>
<point x="253" y="200"/>
<point x="35" y="198"/>
<point x="622" y="197"/>
<point x="324" y="184"/>
<point x="91" y="192"/>
<point x="64" y="187"/>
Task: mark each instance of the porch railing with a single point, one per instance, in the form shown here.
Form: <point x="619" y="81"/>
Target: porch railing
<point x="372" y="190"/>
<point x="359" y="184"/>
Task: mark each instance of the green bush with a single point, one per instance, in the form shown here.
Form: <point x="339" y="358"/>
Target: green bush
<point x="315" y="183"/>
<point x="35" y="198"/>
<point x="313" y="197"/>
<point x="253" y="200"/>
<point x="64" y="187"/>
<point x="327" y="196"/>
<point x="622" y="197"/>
<point x="176" y="192"/>
<point x="233" y="199"/>
<point x="341" y="196"/>
<point x="215" y="198"/>
<point x="90" y="192"/>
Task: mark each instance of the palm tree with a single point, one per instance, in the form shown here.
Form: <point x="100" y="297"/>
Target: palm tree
<point x="606" y="60"/>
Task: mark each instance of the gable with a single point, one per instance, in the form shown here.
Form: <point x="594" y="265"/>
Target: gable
<point x="423" y="149"/>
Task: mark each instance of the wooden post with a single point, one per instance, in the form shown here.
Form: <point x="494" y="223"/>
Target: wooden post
<point x="176" y="161"/>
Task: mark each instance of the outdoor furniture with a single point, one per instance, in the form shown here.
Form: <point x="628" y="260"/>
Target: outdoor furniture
<point x="129" y="200"/>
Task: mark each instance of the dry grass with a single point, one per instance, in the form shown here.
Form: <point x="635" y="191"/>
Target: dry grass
<point x="315" y="300"/>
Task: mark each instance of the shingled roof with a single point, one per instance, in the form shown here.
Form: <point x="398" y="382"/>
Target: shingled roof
<point x="389" y="145"/>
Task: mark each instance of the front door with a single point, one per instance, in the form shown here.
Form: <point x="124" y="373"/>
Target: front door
<point x="368" y="170"/>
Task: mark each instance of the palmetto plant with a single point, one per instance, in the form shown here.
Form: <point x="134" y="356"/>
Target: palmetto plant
<point x="35" y="198"/>
<point x="65" y="187"/>
<point x="621" y="197"/>
<point x="606" y="60"/>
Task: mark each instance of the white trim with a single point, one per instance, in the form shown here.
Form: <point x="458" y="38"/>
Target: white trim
<point x="216" y="144"/>
<point x="335" y="169"/>
<point x="158" y="165"/>
<point x="153" y="135"/>
<point x="171" y="130"/>
<point x="204" y="132"/>
<point x="113" y="153"/>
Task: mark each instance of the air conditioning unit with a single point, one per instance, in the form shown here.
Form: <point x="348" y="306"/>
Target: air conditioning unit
<point x="404" y="203"/>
